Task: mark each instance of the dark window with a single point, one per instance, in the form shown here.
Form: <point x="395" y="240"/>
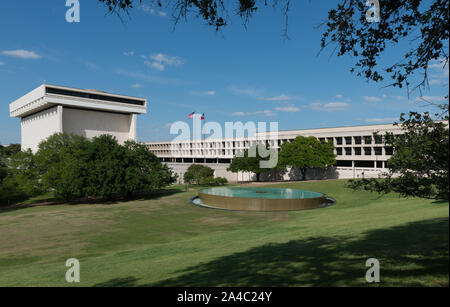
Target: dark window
<point x="389" y="151"/>
<point x="339" y="141"/>
<point x="56" y="91"/>
<point x="378" y="139"/>
<point x="378" y="151"/>
<point x="344" y="163"/>
<point x="379" y="164"/>
<point x="322" y="139"/>
<point x="367" y="140"/>
<point x="364" y="163"/>
<point x="367" y="151"/>
<point x="348" y="140"/>
<point x="358" y="151"/>
<point x="224" y="161"/>
<point x="348" y="151"/>
<point x="339" y="151"/>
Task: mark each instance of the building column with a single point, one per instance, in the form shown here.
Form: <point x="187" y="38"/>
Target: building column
<point x="132" y="134"/>
<point x="353" y="168"/>
<point x="59" y="111"/>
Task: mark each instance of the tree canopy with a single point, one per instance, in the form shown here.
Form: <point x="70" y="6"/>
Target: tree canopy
<point x="74" y="167"/>
<point x="246" y="162"/>
<point x="419" y="164"/>
<point x="306" y="152"/>
<point x="202" y="174"/>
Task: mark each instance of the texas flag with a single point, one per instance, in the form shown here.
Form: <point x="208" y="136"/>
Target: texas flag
<point x="191" y="115"/>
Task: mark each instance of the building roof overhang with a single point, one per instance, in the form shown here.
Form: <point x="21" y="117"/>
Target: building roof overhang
<point x="47" y="95"/>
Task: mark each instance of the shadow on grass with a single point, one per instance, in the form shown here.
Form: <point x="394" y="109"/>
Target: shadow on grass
<point x="408" y="254"/>
<point x="53" y="201"/>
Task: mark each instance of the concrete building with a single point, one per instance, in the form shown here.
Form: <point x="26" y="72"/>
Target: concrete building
<point x="359" y="152"/>
<point x="49" y="109"/>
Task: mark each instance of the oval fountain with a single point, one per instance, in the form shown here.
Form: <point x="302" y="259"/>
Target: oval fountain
<point x="260" y="199"/>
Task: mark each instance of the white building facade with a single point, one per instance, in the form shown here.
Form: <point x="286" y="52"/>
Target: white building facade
<point x="51" y="109"/>
<point x="359" y="152"/>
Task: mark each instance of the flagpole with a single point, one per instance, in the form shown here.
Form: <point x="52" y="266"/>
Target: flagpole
<point x="193" y="137"/>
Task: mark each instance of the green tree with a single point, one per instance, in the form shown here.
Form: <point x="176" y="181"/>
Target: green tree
<point x="419" y="164"/>
<point x="306" y="152"/>
<point x="104" y="170"/>
<point x="143" y="170"/>
<point x="60" y="160"/>
<point x="5" y="154"/>
<point x="250" y="161"/>
<point x="23" y="177"/>
<point x="198" y="174"/>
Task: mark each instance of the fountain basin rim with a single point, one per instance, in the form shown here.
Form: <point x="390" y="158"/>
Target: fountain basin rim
<point x="260" y="194"/>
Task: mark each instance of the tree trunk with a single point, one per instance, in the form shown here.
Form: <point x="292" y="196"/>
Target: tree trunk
<point x="303" y="171"/>
<point x="257" y="177"/>
<point x="129" y="194"/>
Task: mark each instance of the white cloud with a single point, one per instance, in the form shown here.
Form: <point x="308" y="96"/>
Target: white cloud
<point x="159" y="61"/>
<point x="238" y="114"/>
<point x="400" y="97"/>
<point x="290" y="109"/>
<point x="435" y="82"/>
<point x="22" y="54"/>
<point x="244" y="91"/>
<point x="151" y="10"/>
<point x="381" y="120"/>
<point x="441" y="65"/>
<point x="371" y="99"/>
<point x="128" y="53"/>
<point x="339" y="96"/>
<point x="155" y="65"/>
<point x="136" y="85"/>
<point x="202" y="93"/>
<point x="263" y="112"/>
<point x="281" y="97"/>
<point x="329" y="107"/>
<point x="430" y="98"/>
<point x="167" y="59"/>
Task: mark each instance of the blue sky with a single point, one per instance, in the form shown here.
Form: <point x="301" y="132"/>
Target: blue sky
<point x="235" y="75"/>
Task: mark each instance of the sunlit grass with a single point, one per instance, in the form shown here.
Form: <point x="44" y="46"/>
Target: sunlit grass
<point x="166" y="241"/>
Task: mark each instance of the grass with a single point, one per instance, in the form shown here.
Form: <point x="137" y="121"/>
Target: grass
<point x="166" y="241"/>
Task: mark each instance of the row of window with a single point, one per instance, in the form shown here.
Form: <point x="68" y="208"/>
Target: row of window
<point x="339" y="163"/>
<point x="348" y="140"/>
<point x="361" y="164"/>
<point x="355" y="140"/>
<point x="368" y="151"/>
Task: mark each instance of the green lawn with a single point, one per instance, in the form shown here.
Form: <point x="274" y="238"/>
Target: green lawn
<point x="166" y="241"/>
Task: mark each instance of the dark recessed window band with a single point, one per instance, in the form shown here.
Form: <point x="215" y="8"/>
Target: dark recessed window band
<point x="56" y="91"/>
